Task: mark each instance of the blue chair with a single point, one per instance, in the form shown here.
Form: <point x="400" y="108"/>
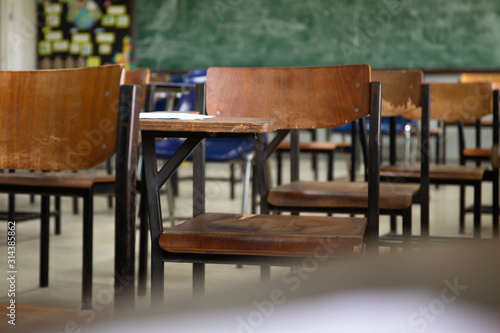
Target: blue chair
<point x="217" y="150"/>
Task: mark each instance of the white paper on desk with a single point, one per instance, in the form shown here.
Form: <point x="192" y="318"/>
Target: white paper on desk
<point x="172" y="115"/>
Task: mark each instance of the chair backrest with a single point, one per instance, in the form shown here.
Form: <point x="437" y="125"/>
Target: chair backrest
<point x="480" y="77"/>
<point x="301" y="97"/>
<point x="466" y="102"/>
<point x="58" y="119"/>
<point x="140" y="77"/>
<point x="401" y="90"/>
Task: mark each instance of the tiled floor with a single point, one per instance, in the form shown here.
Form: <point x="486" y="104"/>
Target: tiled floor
<point x="66" y="255"/>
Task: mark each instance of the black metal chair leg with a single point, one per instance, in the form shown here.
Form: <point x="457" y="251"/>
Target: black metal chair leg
<point x="265" y="273"/>
<point x="407" y="229"/>
<point x="461" y="228"/>
<point x="254" y="192"/>
<point x="231" y="181"/>
<point x="279" y="159"/>
<point x="393" y="224"/>
<point x="75" y="206"/>
<point x="58" y="214"/>
<point x="157" y="276"/>
<point x="477" y="211"/>
<point x="444" y="144"/>
<point x="174" y="179"/>
<point x="12" y="207"/>
<point x="331" y="160"/>
<point x="314" y="165"/>
<point x="394" y="230"/>
<point x="88" y="210"/>
<point x="354" y="153"/>
<point x="109" y="170"/>
<point x="44" y="241"/>
<point x="143" y="246"/>
<point x="198" y="279"/>
<point x="438" y="154"/>
<point x="495" y="210"/>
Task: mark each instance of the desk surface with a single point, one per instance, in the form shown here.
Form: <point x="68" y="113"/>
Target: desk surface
<point x="212" y="125"/>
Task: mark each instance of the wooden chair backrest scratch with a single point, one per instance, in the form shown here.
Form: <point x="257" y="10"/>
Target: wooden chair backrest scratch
<point x="401" y="92"/>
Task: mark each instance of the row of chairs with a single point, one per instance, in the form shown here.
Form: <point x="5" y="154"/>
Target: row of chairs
<point x="404" y="93"/>
<point x="92" y="111"/>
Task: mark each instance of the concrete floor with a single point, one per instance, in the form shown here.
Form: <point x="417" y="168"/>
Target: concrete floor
<point x="66" y="254"/>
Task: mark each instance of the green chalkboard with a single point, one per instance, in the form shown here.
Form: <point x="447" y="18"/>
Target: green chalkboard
<point x="427" y="34"/>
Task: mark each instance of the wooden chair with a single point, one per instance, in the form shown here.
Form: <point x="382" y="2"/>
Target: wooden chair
<point x="454" y="102"/>
<point x="140" y="77"/>
<point x="477" y="154"/>
<point x="401" y="93"/>
<point x="74" y="116"/>
<point x="305" y="97"/>
<point x="315" y="147"/>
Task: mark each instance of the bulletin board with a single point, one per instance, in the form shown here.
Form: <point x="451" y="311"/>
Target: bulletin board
<point x="84" y="33"/>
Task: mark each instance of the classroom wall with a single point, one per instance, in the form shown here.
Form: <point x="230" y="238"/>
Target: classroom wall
<point x="18" y="34"/>
<point x="18" y="50"/>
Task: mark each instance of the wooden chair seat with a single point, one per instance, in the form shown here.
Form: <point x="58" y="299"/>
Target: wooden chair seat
<point x="55" y="179"/>
<point x="264" y="235"/>
<point x="477" y="153"/>
<point x="437" y="172"/>
<point x="435" y="131"/>
<point x="315" y="146"/>
<point x="340" y="195"/>
<point x="487" y="121"/>
<point x="35" y="317"/>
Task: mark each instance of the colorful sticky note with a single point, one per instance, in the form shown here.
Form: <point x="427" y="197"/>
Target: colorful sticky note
<point x="54" y="35"/>
<point x="53" y="8"/>
<point x="94" y="61"/>
<point x="44" y="48"/>
<point x="108" y="21"/>
<point x="105" y="37"/>
<point x="123" y="21"/>
<point x="105" y="49"/>
<point x="61" y="46"/>
<point x="81" y="37"/>
<point x="116" y="10"/>
<point x="86" y="49"/>
<point x="74" y="48"/>
<point x="52" y="20"/>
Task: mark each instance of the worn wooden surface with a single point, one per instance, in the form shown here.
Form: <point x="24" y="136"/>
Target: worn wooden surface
<point x="312" y="146"/>
<point x="58" y="119"/>
<point x="480" y="77"/>
<point x="340" y="195"/>
<point x="477" y="152"/>
<point x="212" y="125"/>
<point x="57" y="179"/>
<point x="437" y="172"/>
<point x="401" y="90"/>
<point x="270" y="235"/>
<point x="453" y="102"/>
<point x="32" y="318"/>
<point x="301" y="97"/>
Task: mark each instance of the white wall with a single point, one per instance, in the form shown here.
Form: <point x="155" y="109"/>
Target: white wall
<point x="18" y="34"/>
